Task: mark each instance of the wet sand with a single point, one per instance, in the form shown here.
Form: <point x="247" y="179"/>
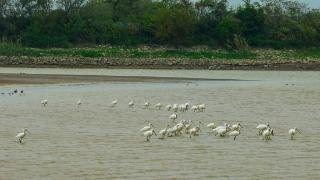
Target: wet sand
<point x="22" y="78"/>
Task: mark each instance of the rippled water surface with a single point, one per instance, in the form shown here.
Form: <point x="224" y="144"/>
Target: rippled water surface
<point x="95" y="141"/>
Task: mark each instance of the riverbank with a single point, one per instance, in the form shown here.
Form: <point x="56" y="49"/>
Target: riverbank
<point x="160" y="63"/>
<point x="160" y="58"/>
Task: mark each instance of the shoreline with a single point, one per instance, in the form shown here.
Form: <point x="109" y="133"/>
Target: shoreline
<point x="160" y="63"/>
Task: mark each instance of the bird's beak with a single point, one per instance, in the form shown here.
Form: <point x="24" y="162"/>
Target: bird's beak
<point x="28" y="131"/>
<point x="155" y="133"/>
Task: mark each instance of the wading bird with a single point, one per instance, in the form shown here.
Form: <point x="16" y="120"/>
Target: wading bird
<point x="79" y="102"/>
<point x="293" y="131"/>
<point x="194" y="131"/>
<point x="262" y="127"/>
<point x="234" y="133"/>
<point x="163" y="132"/>
<point x="146" y="104"/>
<point x="221" y="131"/>
<point x="211" y="125"/>
<point x="195" y="108"/>
<point x="159" y="106"/>
<point x="173" y="116"/>
<point x="237" y="127"/>
<point x="22" y="135"/>
<point x="44" y="102"/>
<point x="175" y="107"/>
<point x="131" y="104"/>
<point x="114" y="103"/>
<point x="267" y="133"/>
<point x="202" y="107"/>
<point x="168" y="107"/>
<point x="149" y="133"/>
<point x="147" y="128"/>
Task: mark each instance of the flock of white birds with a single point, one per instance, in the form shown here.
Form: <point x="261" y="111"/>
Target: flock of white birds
<point x="175" y="128"/>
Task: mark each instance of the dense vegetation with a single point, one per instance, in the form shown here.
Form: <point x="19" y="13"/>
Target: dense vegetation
<point x="176" y="23"/>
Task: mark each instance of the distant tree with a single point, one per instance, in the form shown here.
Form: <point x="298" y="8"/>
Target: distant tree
<point x="69" y="6"/>
<point x="175" y="23"/>
<point x="228" y="28"/>
<point x="210" y="13"/>
<point x="253" y="21"/>
<point x="63" y="23"/>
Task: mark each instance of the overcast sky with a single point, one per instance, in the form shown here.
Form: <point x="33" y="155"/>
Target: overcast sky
<point x="311" y="3"/>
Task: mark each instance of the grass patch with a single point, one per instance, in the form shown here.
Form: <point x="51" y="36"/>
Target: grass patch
<point x="11" y="49"/>
<point x="308" y="53"/>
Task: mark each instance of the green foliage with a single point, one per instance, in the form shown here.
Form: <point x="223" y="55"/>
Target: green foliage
<point x="228" y="28"/>
<point x="175" y="25"/>
<point x="178" y="23"/>
<point x="10" y="49"/>
<point x="238" y="43"/>
<point x="252" y="20"/>
<point x="310" y="53"/>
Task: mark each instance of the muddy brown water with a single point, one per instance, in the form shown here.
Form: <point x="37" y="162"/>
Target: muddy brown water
<point x="95" y="141"/>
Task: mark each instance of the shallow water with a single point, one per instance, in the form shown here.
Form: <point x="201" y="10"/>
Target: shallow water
<point x="96" y="141"/>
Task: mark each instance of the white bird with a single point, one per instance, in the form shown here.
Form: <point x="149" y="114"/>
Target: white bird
<point x="159" y="106"/>
<point x="194" y="131"/>
<point x="22" y="135"/>
<point x="267" y="133"/>
<point x="131" y="104"/>
<point x="172" y="131"/>
<point x="173" y="116"/>
<point x="79" y="102"/>
<point x="175" y="107"/>
<point x="184" y="107"/>
<point x="147" y="128"/>
<point x="180" y="126"/>
<point x="237" y="127"/>
<point x="168" y="107"/>
<point x="162" y="133"/>
<point x="226" y="125"/>
<point x="187" y="126"/>
<point x="262" y="127"/>
<point x="293" y="131"/>
<point x="211" y="125"/>
<point x="234" y="133"/>
<point x="221" y="131"/>
<point x="195" y="108"/>
<point x="149" y="133"/>
<point x="114" y="103"/>
<point x="202" y="107"/>
<point x="146" y="104"/>
<point x="44" y="102"/>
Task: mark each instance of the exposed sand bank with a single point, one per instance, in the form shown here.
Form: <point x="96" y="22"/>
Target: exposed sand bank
<point x="9" y="79"/>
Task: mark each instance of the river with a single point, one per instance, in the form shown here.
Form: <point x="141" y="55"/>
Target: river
<point x="96" y="141"/>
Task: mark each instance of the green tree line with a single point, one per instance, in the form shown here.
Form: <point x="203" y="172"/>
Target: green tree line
<point x="65" y="23"/>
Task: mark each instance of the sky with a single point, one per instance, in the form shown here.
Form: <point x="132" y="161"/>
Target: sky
<point x="310" y="3"/>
